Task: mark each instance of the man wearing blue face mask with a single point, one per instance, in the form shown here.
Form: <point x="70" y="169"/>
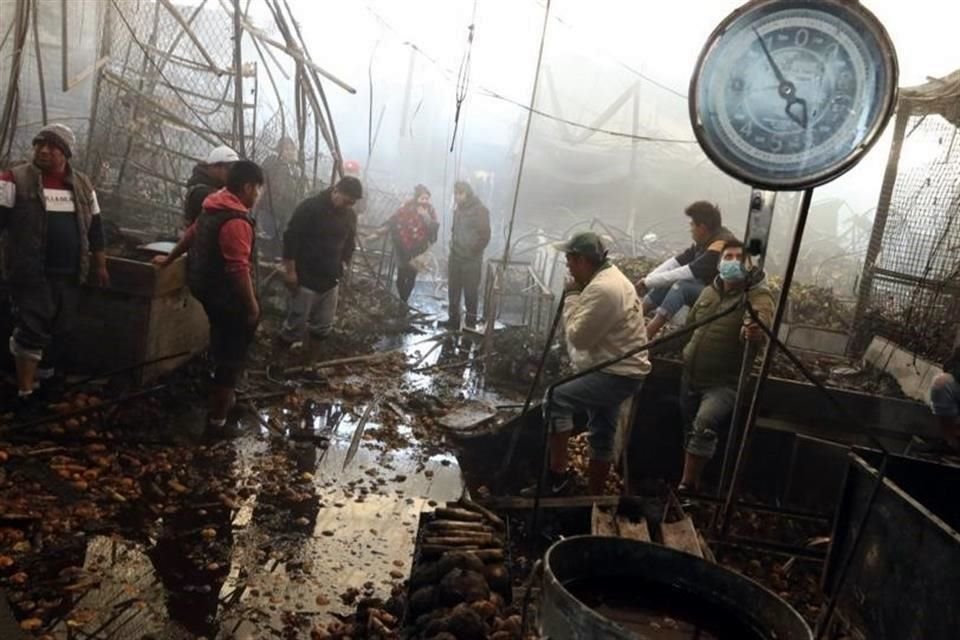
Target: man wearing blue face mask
<point x="712" y="357"/>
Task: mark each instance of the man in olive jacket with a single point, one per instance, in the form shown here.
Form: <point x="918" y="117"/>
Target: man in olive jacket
<point x="470" y="237"/>
<point x="712" y="357"/>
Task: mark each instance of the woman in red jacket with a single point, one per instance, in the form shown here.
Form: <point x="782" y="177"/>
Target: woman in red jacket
<point x="413" y="228"/>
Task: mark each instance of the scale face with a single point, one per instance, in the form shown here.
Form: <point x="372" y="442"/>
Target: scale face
<point x="789" y="94"/>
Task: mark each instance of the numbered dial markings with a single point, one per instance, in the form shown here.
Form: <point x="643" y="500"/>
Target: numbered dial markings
<point x="821" y="70"/>
<point x="786" y="93"/>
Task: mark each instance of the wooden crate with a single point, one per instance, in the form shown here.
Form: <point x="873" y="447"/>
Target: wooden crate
<point x="143" y="279"/>
<point x="146" y="313"/>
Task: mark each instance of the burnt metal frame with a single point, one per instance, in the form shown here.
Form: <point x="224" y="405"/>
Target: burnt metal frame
<point x="908" y="106"/>
<point x="68" y="83"/>
<point x="904" y="112"/>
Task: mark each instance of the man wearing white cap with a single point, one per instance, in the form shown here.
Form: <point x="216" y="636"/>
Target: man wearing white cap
<point x="53" y="241"/>
<point x="207" y="177"/>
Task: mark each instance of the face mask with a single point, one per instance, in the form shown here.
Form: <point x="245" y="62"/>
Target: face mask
<point x="731" y="271"/>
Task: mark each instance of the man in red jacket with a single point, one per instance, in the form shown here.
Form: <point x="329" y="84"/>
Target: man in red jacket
<point x="220" y="275"/>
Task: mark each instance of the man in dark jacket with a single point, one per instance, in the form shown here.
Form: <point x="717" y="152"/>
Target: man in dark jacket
<point x="317" y="247"/>
<point x="207" y="177"/>
<point x="469" y="238"/>
<point x="714" y="354"/>
<point x="676" y="283"/>
<point x="53" y="232"/>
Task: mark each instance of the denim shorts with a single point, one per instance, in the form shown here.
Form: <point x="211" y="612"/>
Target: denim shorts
<point x="670" y="300"/>
<point x="599" y="395"/>
<point x="706" y="412"/>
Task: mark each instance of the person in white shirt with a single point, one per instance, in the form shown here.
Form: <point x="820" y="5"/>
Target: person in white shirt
<point x="603" y="319"/>
<point x="677" y="282"/>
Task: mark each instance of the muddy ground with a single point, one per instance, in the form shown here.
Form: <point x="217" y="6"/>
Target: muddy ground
<point x="130" y="520"/>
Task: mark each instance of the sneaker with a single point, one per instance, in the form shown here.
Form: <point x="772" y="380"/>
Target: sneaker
<point x="555" y="484"/>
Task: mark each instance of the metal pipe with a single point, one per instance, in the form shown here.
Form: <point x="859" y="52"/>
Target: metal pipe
<point x="724" y="514"/>
<point x="317" y="72"/>
<point x="188" y="31"/>
<point x="775" y="548"/>
<point x="760" y="212"/>
<point x="64" y="47"/>
<point x="491" y="315"/>
<point x="860" y="337"/>
<point x="515" y="436"/>
<point x="36" y="45"/>
<point x="8" y="118"/>
<point x="106" y="45"/>
<point x="238" y="123"/>
<point x="848" y="559"/>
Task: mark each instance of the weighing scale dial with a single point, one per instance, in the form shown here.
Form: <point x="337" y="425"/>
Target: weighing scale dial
<point x="789" y="94"/>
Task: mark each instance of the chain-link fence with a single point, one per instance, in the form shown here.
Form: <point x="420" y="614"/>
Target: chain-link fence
<point x="48" y="64"/>
<point x="910" y="290"/>
<point x="168" y="96"/>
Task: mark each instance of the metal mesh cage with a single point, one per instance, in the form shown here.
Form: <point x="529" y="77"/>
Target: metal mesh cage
<point x="910" y="290"/>
<point x="168" y="96"/>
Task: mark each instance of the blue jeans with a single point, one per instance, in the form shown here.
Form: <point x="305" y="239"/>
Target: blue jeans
<point x="705" y="413"/>
<point x="670" y="300"/>
<point x="599" y="395"/>
<point x="945" y="396"/>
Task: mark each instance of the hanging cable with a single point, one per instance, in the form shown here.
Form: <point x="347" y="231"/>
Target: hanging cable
<point x="11" y="102"/>
<point x="498" y="96"/>
<point x="463" y="76"/>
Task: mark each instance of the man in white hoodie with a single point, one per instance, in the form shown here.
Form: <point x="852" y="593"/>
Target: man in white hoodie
<point x="603" y="319"/>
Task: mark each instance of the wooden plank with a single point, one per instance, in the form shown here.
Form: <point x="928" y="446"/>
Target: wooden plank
<point x="602" y="523"/>
<point x="633" y="530"/>
<point x="707" y="551"/>
<point x="682" y="536"/>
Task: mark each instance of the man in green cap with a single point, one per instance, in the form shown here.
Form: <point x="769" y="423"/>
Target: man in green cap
<point x="603" y="320"/>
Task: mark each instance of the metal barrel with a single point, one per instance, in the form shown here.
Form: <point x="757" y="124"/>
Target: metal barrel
<point x="609" y="560"/>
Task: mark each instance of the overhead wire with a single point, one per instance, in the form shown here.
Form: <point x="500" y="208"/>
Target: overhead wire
<point x="463" y="76"/>
<point x="580" y="125"/>
<point x="490" y="93"/>
<point x="621" y="63"/>
<point x="11" y="102"/>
